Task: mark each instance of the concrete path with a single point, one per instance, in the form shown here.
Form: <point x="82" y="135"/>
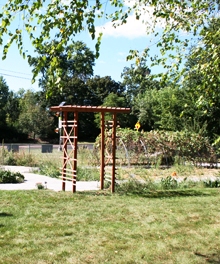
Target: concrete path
<point x="32" y="179"/>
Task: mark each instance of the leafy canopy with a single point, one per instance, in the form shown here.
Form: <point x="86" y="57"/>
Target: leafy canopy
<point x="44" y="20"/>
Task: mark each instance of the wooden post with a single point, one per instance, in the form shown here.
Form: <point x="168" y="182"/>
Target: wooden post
<point x="64" y="151"/>
<point x="75" y="151"/>
<point x="113" y="151"/>
<point x="102" y="168"/>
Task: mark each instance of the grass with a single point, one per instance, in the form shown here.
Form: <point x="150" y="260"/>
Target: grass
<point x="34" y="157"/>
<point x="177" y="226"/>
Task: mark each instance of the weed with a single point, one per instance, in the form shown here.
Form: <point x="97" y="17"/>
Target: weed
<point x="49" y="168"/>
<point x="212" y="184"/>
<point x="87" y="174"/>
<point x="41" y="186"/>
<point x="169" y="183"/>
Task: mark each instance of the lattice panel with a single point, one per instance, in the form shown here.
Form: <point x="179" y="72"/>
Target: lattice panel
<point x="69" y="146"/>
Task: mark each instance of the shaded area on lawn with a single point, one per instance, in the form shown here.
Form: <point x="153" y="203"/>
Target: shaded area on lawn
<point x="210" y="258"/>
<point x="4" y="214"/>
<point x="157" y="193"/>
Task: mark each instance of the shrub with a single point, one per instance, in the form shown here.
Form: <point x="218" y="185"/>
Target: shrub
<point x="7" y="176"/>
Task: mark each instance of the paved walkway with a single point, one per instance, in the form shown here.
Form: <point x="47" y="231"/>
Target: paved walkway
<point x="31" y="179"/>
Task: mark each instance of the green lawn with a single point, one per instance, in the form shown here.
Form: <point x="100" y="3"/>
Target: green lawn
<point x="42" y="226"/>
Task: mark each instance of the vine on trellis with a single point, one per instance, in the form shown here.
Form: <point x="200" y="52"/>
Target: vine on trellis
<point x="161" y="148"/>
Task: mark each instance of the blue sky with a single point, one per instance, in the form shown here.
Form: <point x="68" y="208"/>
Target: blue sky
<point x="115" y="46"/>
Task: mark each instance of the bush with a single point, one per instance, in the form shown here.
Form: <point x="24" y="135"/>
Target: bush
<point x="7" y="176"/>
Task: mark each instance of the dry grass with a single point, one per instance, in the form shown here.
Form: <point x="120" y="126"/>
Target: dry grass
<point x="178" y="172"/>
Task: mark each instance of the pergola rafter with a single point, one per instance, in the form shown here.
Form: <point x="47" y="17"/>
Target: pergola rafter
<point x="70" y="134"/>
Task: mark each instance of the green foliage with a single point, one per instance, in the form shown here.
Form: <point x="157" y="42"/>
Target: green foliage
<point x="49" y="168"/>
<point x="7" y="176"/>
<point x="174" y="27"/>
<point x="62" y="20"/>
<point x="216" y="145"/>
<point x="145" y="187"/>
<point x="171" y="108"/>
<point x="113" y="100"/>
<point x="207" y="57"/>
<point x="163" y="147"/>
<point x="40" y="186"/>
<point x="211" y="183"/>
<point x="168" y="183"/>
<point x="33" y="119"/>
<point x="59" y="20"/>
<point x="4" y="96"/>
<point x="137" y="80"/>
<point x="74" y="62"/>
<point x="100" y="88"/>
<point x="19" y="159"/>
<point x="200" y="77"/>
<point x="87" y="174"/>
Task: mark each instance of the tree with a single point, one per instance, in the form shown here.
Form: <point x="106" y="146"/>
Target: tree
<point x="12" y="109"/>
<point x="161" y="109"/>
<point x="4" y="93"/>
<point x="33" y="119"/>
<point x="203" y="63"/>
<point x="9" y="111"/>
<point x="62" y="20"/>
<point x="200" y="77"/>
<point x="100" y="87"/>
<point x="137" y="79"/>
<point x="113" y="100"/>
<point x="75" y="64"/>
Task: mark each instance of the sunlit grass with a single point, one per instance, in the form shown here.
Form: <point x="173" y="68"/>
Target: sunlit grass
<point x="96" y="227"/>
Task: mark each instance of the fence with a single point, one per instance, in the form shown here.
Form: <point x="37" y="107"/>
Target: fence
<point x="43" y="148"/>
<point x="127" y="154"/>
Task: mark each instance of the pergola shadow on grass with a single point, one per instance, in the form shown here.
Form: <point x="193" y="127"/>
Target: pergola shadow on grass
<point x="70" y="136"/>
<point x="156" y="193"/>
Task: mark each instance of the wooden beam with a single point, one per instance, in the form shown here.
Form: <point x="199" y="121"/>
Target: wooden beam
<point x="102" y="165"/>
<point x="64" y="153"/>
<point x="75" y="150"/>
<point x="94" y="109"/>
<point x="113" y="151"/>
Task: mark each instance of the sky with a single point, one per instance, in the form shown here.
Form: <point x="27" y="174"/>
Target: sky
<point x="115" y="46"/>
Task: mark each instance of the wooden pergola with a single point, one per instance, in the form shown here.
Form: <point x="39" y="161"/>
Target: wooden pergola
<point x="70" y="135"/>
